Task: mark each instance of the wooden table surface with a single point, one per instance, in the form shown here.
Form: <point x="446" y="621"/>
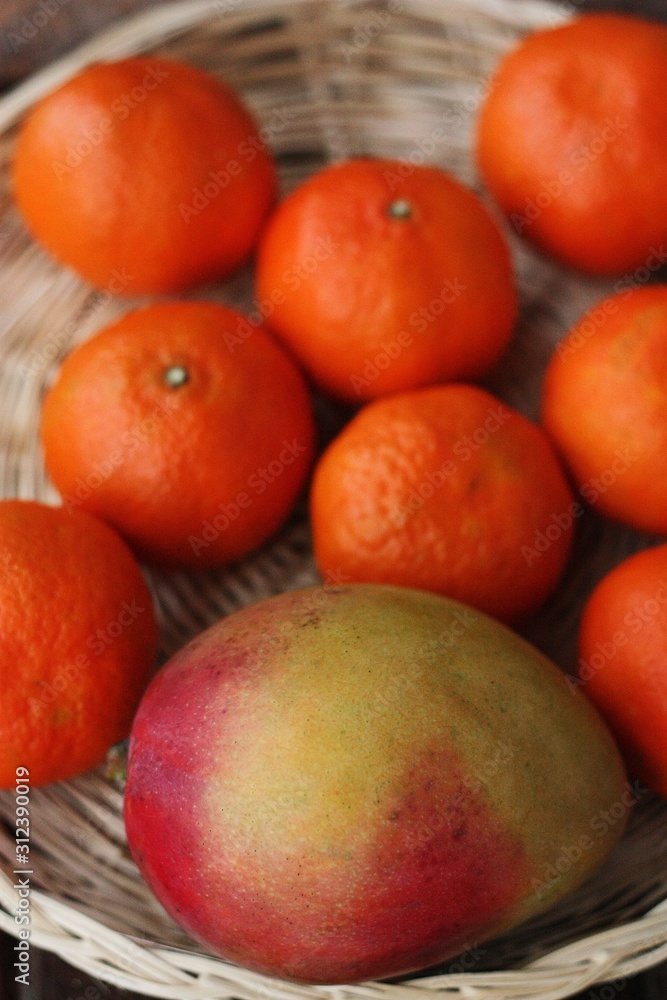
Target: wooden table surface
<point x="31" y="35"/>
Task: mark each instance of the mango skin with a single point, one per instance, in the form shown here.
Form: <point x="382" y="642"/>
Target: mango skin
<point x="343" y="784"/>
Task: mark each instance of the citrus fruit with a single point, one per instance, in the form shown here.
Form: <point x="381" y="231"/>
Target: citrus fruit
<point x="381" y="276"/>
<point x="445" y="489"/>
<point x="145" y="175"/>
<point x="623" y="660"/>
<point x="78" y="641"/>
<point x="573" y="143"/>
<point x="183" y="427"/>
<point x="605" y="406"/>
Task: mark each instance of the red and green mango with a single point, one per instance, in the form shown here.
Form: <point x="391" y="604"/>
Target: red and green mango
<point x="350" y="783"/>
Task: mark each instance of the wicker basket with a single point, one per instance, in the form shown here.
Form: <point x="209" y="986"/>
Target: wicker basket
<point x="327" y="79"/>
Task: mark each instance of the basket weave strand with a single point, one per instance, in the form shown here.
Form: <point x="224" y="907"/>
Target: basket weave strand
<point x="327" y="79"/>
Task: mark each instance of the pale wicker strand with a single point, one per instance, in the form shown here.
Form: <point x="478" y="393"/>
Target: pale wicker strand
<point x="163" y="972"/>
<point x="126" y="39"/>
<point x="136" y="33"/>
<point x="80" y="823"/>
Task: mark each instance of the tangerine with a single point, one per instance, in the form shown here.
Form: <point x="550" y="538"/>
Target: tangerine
<point x="623" y="660"/>
<point x="144" y="175"/>
<point x="572" y="141"/>
<point x="445" y="489"/>
<point x="186" y="429"/>
<point x="381" y="276"/>
<point x="604" y="404"/>
<point x="78" y="641"/>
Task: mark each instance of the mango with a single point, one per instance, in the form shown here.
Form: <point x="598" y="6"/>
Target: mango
<point x="350" y="783"/>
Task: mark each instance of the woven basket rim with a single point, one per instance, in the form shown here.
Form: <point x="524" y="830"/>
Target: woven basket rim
<point x="161" y="971"/>
<point x="163" y="20"/>
<point x="89" y="945"/>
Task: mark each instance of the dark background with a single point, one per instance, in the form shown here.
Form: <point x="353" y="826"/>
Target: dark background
<point x="50" y="978"/>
